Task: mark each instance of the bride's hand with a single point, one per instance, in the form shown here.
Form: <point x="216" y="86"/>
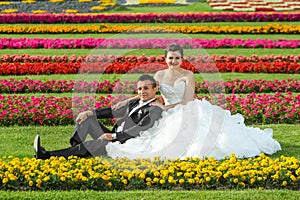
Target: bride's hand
<point x="158" y="104"/>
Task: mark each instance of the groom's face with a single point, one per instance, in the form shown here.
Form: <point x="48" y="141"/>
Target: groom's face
<point x="146" y="90"/>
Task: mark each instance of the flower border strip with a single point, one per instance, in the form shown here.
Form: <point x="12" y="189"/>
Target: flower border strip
<point x="111" y="43"/>
<point x="103" y="174"/>
<point x="30" y="110"/>
<point x="151" y="17"/>
<point x="186" y="29"/>
<point x="7" y="58"/>
<point x="107" y="67"/>
<point x="235" y="86"/>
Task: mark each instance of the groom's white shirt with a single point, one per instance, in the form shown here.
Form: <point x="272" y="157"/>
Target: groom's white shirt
<point x="141" y="104"/>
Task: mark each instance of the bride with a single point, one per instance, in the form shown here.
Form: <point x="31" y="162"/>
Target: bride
<point x="192" y="127"/>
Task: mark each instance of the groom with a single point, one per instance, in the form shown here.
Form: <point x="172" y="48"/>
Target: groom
<point x="136" y="116"/>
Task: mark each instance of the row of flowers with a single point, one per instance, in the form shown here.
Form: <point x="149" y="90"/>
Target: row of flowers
<point x="255" y="5"/>
<point x="256" y="108"/>
<point x="235" y="86"/>
<point x="186" y="29"/>
<point x="35" y="68"/>
<point x="56" y="6"/>
<point x="151" y="17"/>
<point x="101" y="173"/>
<point x="130" y="43"/>
<point x="143" y="58"/>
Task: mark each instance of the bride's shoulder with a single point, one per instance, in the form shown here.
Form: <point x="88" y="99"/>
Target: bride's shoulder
<point x="188" y="73"/>
<point x="159" y="74"/>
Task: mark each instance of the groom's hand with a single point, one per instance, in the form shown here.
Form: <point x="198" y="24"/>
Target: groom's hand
<point x="83" y="116"/>
<point x="106" y="136"/>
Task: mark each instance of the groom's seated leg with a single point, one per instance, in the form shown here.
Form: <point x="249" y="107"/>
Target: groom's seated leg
<point x="89" y="126"/>
<point x="85" y="149"/>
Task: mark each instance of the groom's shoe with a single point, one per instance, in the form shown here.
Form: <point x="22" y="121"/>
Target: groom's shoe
<point x="40" y="152"/>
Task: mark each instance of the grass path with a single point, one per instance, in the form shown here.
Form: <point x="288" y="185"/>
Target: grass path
<point x="157" y="194"/>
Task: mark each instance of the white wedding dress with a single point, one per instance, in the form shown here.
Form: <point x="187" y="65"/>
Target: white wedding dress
<point x="197" y="129"/>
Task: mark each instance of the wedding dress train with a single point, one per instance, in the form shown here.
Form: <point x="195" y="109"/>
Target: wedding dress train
<point x="197" y="129"/>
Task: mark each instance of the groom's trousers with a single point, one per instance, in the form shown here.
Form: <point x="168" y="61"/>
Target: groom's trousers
<point x="82" y="148"/>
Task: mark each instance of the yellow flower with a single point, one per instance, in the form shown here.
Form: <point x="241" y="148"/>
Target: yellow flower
<point x="162" y="181"/>
<point x="235" y="180"/>
<point x="284" y="183"/>
<point x="12" y="177"/>
<point x="242" y="184"/>
<point x="156" y="173"/>
<point x="5" y="180"/>
<point x="5" y="3"/>
<point x="181" y="181"/>
<point x="109" y="184"/>
<point x="142" y="176"/>
<point x="30" y="183"/>
<point x="191" y="181"/>
<point x="47" y="178"/>
<point x="148" y="179"/>
<point x="38" y="182"/>
<point x="179" y="173"/>
<point x="207" y="179"/>
<point x="293" y="178"/>
<point x="124" y="181"/>
<point x="155" y="180"/>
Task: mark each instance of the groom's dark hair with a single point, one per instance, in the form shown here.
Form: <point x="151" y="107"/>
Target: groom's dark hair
<point x="149" y="78"/>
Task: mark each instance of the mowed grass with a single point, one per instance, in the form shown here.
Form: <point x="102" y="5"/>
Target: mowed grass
<point x="18" y="140"/>
<point x="156" y="194"/>
<point x="148" y="52"/>
<point x="133" y="77"/>
<point x="195" y="7"/>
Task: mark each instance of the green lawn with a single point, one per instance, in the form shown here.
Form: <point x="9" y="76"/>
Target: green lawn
<point x="149" y="52"/>
<point x="134" y="77"/>
<point x="157" y="194"/>
<point x="195" y="7"/>
<point x="18" y="140"/>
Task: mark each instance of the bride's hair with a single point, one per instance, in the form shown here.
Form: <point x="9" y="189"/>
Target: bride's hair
<point x="174" y="47"/>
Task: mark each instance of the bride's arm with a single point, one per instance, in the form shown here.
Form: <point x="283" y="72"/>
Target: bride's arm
<point x="189" y="88"/>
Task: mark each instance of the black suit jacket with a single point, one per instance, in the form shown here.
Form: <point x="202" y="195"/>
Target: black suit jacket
<point x="140" y="120"/>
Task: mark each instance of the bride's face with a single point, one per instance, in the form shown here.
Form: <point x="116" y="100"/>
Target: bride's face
<point x="174" y="59"/>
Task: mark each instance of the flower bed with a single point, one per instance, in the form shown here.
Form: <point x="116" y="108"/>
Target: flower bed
<point x="186" y="29"/>
<point x="255" y="5"/>
<point x="99" y="173"/>
<point x="132" y="58"/>
<point x="151" y="17"/>
<point x="130" y="43"/>
<point x="235" y="86"/>
<point x="57" y="6"/>
<point x="107" y="67"/>
<point x="256" y="108"/>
